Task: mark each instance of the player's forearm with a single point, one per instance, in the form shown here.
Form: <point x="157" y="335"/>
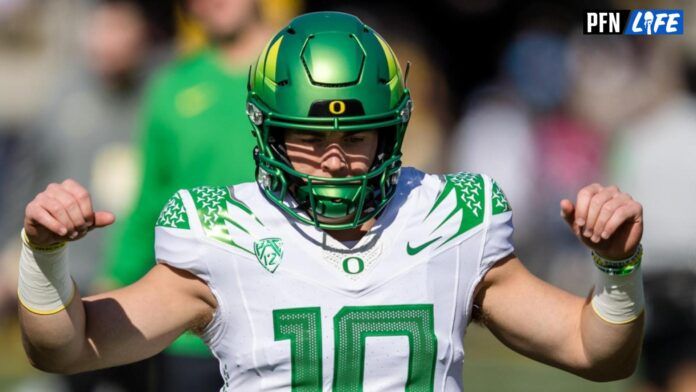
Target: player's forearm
<point x="611" y="351"/>
<point x="612" y="321"/>
<point x="54" y="342"/>
<point x="51" y="313"/>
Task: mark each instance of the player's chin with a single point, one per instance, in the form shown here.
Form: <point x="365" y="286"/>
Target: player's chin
<point x="335" y="220"/>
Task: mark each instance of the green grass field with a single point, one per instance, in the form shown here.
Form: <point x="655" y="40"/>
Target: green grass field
<point x="14" y="367"/>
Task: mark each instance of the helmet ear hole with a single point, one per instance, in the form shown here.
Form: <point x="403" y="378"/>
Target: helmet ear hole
<point x="386" y="139"/>
<point x="276" y="142"/>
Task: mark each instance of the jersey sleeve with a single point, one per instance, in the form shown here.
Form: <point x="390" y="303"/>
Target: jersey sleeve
<point x="175" y="242"/>
<point x="498" y="237"/>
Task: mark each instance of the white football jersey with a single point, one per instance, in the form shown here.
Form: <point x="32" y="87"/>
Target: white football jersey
<point x="298" y="310"/>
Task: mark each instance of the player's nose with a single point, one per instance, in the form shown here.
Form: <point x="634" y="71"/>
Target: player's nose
<point x="334" y="162"/>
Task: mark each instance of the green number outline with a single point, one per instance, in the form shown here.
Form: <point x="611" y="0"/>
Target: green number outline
<point x="352" y="326"/>
<point x="420" y="330"/>
<point x="305" y="345"/>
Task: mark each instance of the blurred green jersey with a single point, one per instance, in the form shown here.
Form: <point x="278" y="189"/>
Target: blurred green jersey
<point x="194" y="131"/>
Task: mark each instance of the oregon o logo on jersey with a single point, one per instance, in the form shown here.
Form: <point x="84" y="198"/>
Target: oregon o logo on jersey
<point x="353" y="265"/>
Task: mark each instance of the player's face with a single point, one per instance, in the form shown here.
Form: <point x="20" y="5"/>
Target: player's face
<point x="223" y="19"/>
<point x="116" y="40"/>
<point x="331" y="154"/>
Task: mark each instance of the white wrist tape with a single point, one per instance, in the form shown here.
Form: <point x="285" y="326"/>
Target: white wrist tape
<point x="45" y="286"/>
<point x="618" y="299"/>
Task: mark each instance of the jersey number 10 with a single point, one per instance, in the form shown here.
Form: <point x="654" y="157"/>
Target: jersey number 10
<point x="352" y="325"/>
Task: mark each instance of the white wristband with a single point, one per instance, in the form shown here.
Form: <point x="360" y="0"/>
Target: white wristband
<point x="618" y="299"/>
<point x="45" y="286"/>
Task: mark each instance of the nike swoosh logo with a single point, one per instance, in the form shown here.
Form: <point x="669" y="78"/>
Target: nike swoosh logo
<point x="413" y="251"/>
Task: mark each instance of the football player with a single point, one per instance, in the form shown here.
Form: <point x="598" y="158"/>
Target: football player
<point x="338" y="269"/>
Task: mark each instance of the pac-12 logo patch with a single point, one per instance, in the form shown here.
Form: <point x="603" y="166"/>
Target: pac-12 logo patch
<point x="269" y="252"/>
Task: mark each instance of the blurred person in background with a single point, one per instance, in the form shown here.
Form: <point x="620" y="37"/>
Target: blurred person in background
<point x="523" y="113"/>
<point x="427" y="129"/>
<point x="36" y="46"/>
<point x="84" y="132"/>
<point x="653" y="157"/>
<point x="194" y="130"/>
<point x="85" y="129"/>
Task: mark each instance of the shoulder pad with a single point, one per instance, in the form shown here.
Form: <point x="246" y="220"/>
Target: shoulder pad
<point x="499" y="202"/>
<point x="225" y="218"/>
<point x="174" y="214"/>
<point x="455" y="209"/>
<point x="458" y="207"/>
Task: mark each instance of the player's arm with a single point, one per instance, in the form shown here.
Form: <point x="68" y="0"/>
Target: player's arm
<point x="555" y="327"/>
<point x="65" y="333"/>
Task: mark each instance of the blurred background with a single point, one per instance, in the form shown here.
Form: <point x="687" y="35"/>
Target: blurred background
<point x="136" y="99"/>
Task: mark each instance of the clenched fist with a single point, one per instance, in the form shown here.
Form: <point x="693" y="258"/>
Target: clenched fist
<point x="605" y="219"/>
<point x="63" y="212"/>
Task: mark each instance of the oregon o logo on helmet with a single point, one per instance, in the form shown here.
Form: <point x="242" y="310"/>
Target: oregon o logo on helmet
<point x="337" y="110"/>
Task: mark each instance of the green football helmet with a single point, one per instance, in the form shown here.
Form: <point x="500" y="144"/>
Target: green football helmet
<point x="327" y="72"/>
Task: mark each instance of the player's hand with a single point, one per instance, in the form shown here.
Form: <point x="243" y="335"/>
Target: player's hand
<point x="63" y="212"/>
<point x="606" y="220"/>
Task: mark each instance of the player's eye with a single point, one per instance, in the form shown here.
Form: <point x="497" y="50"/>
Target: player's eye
<point x="355" y="139"/>
<point x="311" y="139"/>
